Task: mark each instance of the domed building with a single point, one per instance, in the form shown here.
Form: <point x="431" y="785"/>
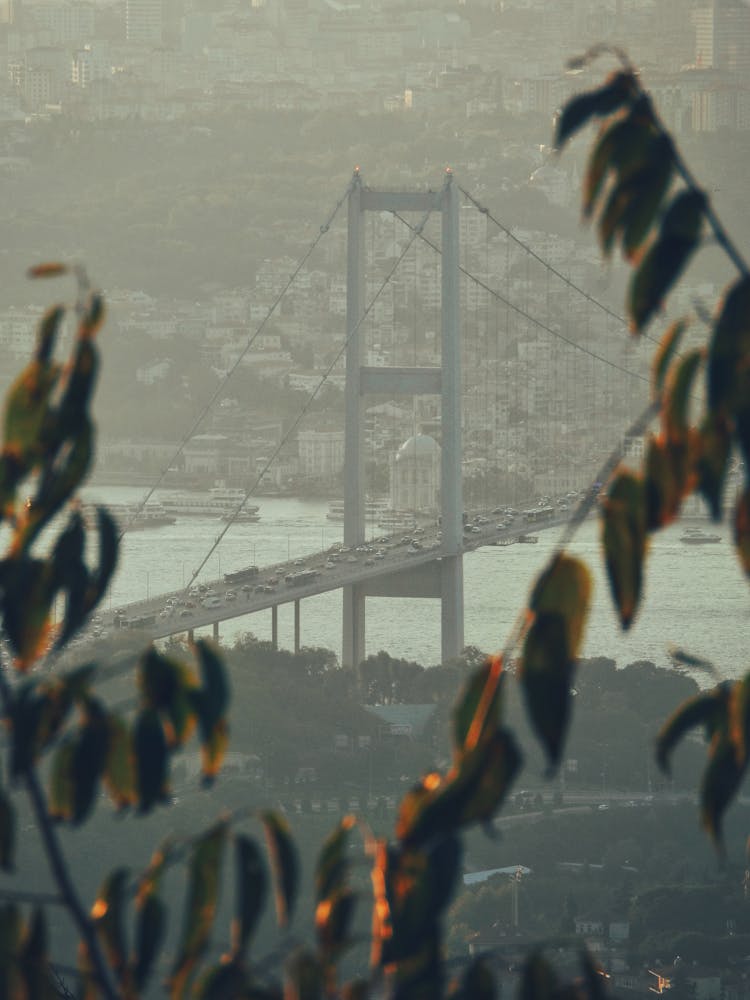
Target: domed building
<point x="415" y="475"/>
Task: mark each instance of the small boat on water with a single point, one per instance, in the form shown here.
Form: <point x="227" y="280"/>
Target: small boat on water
<point x="528" y="539"/>
<point x="217" y="502"/>
<point x="697" y="536"/>
<point x="131" y="517"/>
<point x="502" y="542"/>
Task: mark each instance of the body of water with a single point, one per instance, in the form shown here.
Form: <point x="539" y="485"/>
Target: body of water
<point x="696" y="597"/>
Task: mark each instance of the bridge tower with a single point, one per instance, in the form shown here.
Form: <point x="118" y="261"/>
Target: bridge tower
<point x="443" y="578"/>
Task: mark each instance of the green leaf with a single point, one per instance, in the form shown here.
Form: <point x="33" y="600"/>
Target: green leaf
<point x="26" y="721"/>
<point x="252" y="890"/>
<point x="622" y="147"/>
<point x="704" y="709"/>
<point x="109" y="919"/>
<point x="204" y="875"/>
<point x="72" y="414"/>
<point x="120" y="767"/>
<point x="211" y="703"/>
<point x="11" y="929"/>
<point x="595" y="103"/>
<point x="59" y="480"/>
<point x="151" y="760"/>
<point x="742" y="529"/>
<point x="284" y="864"/>
<point x="648" y="189"/>
<point x="107" y="547"/>
<point x="61" y="781"/>
<point x="47" y="332"/>
<point x="668" y="346"/>
<point x="670" y="477"/>
<point x="27" y="412"/>
<point x="26" y="607"/>
<point x="721" y="781"/>
<point x="624" y="513"/>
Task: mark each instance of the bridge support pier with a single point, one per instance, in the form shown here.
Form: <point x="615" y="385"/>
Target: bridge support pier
<point x="275" y="626"/>
<point x="296" y="626"/>
<point x="191" y="635"/>
<point x="451" y="608"/>
<point x="216" y="631"/>
<point x="353" y="646"/>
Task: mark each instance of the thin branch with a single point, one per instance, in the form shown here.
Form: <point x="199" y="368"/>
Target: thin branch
<point x="58" y="864"/>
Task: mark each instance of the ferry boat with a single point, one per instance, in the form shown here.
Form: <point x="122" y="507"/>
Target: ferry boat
<point x="130" y="517"/>
<point x="697" y="536"/>
<point x="374" y="510"/>
<point x="528" y="539"/>
<point x="502" y="542"/>
<point x="220" y="501"/>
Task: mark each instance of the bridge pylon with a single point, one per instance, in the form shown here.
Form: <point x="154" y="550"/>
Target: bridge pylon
<point x="441" y="579"/>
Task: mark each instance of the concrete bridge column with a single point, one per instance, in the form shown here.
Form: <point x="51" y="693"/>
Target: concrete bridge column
<point x="191" y="635"/>
<point x="296" y="626"/>
<point x="216" y="632"/>
<point x="451" y="607"/>
<point x="275" y="626"/>
<point x="353" y="646"/>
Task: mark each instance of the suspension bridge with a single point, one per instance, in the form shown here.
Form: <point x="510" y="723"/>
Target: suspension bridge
<point x="455" y="332"/>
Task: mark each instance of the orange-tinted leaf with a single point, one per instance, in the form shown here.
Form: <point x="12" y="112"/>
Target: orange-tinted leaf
<point x="668" y="346"/>
<point x="650" y="187"/>
<point x="284" y="864"/>
<point x="26" y="604"/>
<point x="564" y="588"/>
<point x="61" y="782"/>
<point x="89" y="758"/>
<point x="51" y="270"/>
<point x="624" y="537"/>
<point x="251" y="880"/>
<point x="622" y="147"/>
<point x="670" y="477"/>
<point x="721" y="781"/>
<point x="47" y="332"/>
<point x="151" y="925"/>
<point x="27" y="411"/>
<point x="204" y="876"/>
<point x="303" y="976"/>
<point x="108" y="916"/>
<point x="332" y="867"/>
<point x="477" y="712"/>
<point x="333" y="918"/>
<point x="677" y="394"/>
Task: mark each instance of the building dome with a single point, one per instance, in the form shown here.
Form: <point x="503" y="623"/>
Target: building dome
<point x="418" y="446"/>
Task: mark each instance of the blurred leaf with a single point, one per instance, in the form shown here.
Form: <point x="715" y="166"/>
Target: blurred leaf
<point x="27" y="411"/>
<point x="34" y="960"/>
<point x="251" y="881"/>
<point x="677" y="393"/>
<point x="647" y="189"/>
<point x="148" y="884"/>
<point x="26" y="720"/>
<point x="222" y="982"/>
<point x="583" y="107"/>
<point x="332" y="868"/>
<point x="167" y="685"/>
<point x="477" y="982"/>
<point x="624" y="536"/>
<point x="559" y="605"/>
<point x="61" y="781"/>
<point x="93" y="317"/>
<point x="7" y="832"/>
<point x="108" y="545"/>
<point x="151" y="760"/>
<point x="59" y="480"/>
<point x="721" y="781"/>
<point x="89" y="757"/>
<point x="11" y="928"/>
<point x="593" y="976"/>
<point x="303" y="976"/>
<point x="109" y="919"/>
<point x="668" y="346"/>
<point x="670" y="477"/>
<point x="150" y="930"/>
<point x="729" y="351"/>
<point x="715" y="448"/>
<point x="476" y="715"/>
<point x="622" y="147"/>
<point x="120" y="766"/>
<point x="47" y="332"/>
<point x="204" y="876"/>
<point x="215" y="683"/>
<point x="538" y="979"/>
<point x="71" y="576"/>
<point x="51" y="270"/>
<point x="284" y="864"/>
<point x="742" y="529"/>
<point x="74" y="404"/>
<point x="662" y="265"/>
<point x="333" y="918"/>
<point x="705" y="709"/>
<point x="26" y="603"/>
